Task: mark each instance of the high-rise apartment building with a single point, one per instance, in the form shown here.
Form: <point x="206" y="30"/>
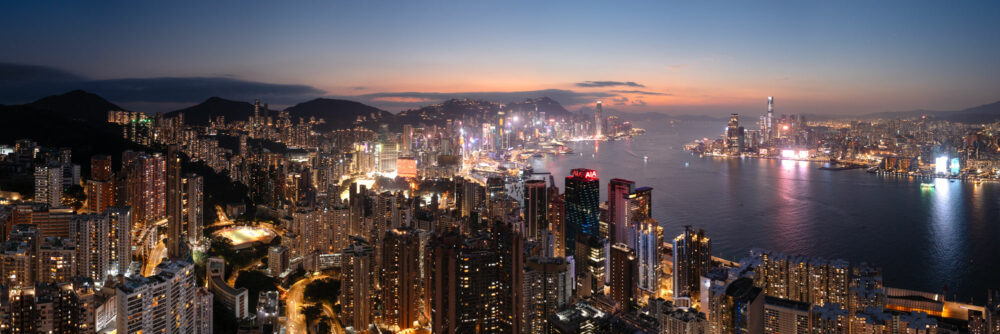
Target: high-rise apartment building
<point x="618" y="190"/>
<point x="535" y="206"/>
<point x="692" y="258"/>
<point x="401" y="284"/>
<point x="162" y="303"/>
<point x="548" y="285"/>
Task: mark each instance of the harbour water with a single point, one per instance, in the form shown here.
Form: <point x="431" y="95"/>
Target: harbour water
<point x="945" y="238"/>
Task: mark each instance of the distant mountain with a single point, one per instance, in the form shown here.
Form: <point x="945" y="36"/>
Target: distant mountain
<point x="213" y="107"/>
<point x="550" y="107"/>
<point x="337" y="114"/>
<point x="982" y="114"/>
<point x="77" y="105"/>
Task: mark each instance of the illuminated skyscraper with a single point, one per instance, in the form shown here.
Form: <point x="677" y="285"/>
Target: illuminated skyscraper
<point x="769" y="125"/>
<point x="548" y="286"/>
<point x="737" y="308"/>
<point x="598" y="120"/>
<point x="356" y="296"/>
<point x="535" y="205"/>
<point x="49" y="185"/>
<point x="175" y="218"/>
<point x="618" y="191"/>
<point x="583" y="195"/>
<point x="692" y="258"/>
<point x="556" y="213"/>
<point x="647" y="242"/>
<point x="623" y="275"/>
<point x="193" y="205"/>
<point x="640" y="204"/>
<point x="400" y="282"/>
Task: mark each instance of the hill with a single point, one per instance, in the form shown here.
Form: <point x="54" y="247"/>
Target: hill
<point x="213" y="107"/>
<point x="981" y="114"/>
<point x="337" y="114"/>
<point x="550" y="107"/>
<point x="77" y="105"/>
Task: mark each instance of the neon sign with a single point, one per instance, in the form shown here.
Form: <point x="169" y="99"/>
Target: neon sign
<point x="585" y="173"/>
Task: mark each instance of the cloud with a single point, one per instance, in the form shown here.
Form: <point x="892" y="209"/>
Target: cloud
<point x="25" y="83"/>
<point x="638" y="102"/>
<point x="609" y="84"/>
<point x="407" y="100"/>
<point x="620" y="101"/>
<point x="640" y="92"/>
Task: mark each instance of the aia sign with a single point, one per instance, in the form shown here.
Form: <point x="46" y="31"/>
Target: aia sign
<point x="585" y="173"/>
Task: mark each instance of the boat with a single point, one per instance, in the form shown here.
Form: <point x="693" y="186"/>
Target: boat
<point x="926" y="185"/>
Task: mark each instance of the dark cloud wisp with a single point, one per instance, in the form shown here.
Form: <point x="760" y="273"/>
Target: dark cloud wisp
<point x="25" y="83"/>
<point x="640" y="92"/>
<point x="407" y="100"/>
<point x="609" y="84"/>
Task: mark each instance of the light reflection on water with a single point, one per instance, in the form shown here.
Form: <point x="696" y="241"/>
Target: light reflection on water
<point x="924" y="239"/>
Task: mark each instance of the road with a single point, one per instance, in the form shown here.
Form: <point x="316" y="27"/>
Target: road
<point x="155" y="257"/>
<point x="296" y="322"/>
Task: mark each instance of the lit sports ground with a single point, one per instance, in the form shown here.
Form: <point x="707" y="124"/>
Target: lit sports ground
<point x="245" y="236"/>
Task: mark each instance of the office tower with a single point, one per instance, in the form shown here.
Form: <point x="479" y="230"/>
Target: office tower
<point x="277" y="260"/>
<point x="407" y="140"/>
<point x="623" y="276"/>
<point x="556" y="216"/>
<point x="160" y="303"/>
<point x="692" y="258"/>
<point x="357" y="286"/>
<point x="733" y="135"/>
<point x="401" y="285"/>
<point x="56" y="260"/>
<point x="737" y="308"/>
<point x="598" y="120"/>
<point x="547" y="287"/>
<point x="590" y="263"/>
<point x="783" y="316"/>
<point x="193" y="206"/>
<point x="203" y="311"/>
<point x="770" y="118"/>
<point x="48" y="184"/>
<point x="648" y="242"/>
<point x="535" y="205"/>
<point x="618" y="207"/>
<point x="582" y="205"/>
<point x="640" y="204"/>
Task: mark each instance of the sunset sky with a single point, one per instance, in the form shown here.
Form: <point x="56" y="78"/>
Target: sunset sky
<point x="834" y="57"/>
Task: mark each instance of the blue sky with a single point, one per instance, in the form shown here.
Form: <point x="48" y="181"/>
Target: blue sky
<point x="714" y="57"/>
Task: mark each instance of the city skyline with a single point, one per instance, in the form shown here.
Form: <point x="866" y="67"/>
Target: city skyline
<point x="678" y="59"/>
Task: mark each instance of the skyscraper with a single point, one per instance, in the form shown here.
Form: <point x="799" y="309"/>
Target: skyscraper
<point x="598" y="120"/>
<point x="535" y="205"/>
<point x="193" y="206"/>
<point x="49" y="185"/>
<point x="623" y="275"/>
<point x="769" y="125"/>
<point x="640" y="204"/>
<point x="647" y="243"/>
<point x="692" y="258"/>
<point x="556" y="213"/>
<point x="737" y="308"/>
<point x="618" y="189"/>
<point x="582" y="204"/>
<point x="548" y="286"/>
<point x="174" y="213"/>
<point x="357" y="286"/>
<point x="159" y="303"/>
<point x="100" y="189"/>
<point x="400" y="278"/>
